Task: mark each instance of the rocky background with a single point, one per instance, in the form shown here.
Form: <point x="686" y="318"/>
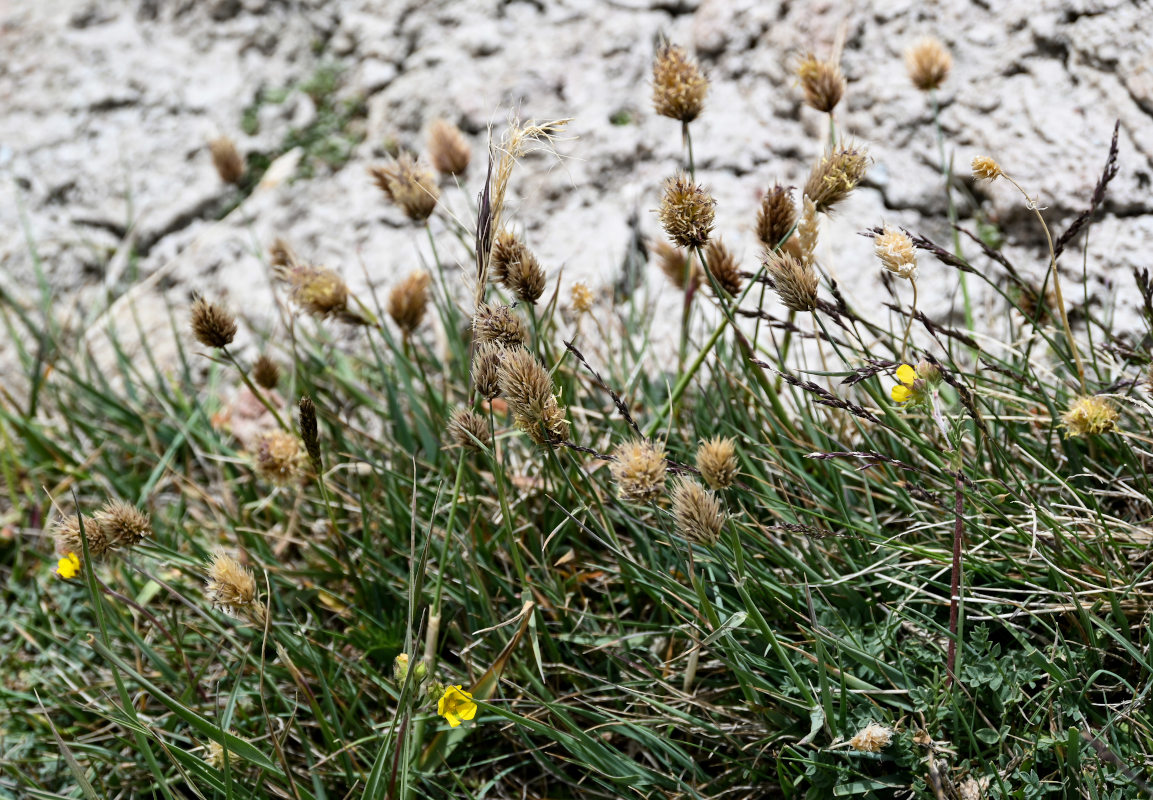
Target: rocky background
<point x="106" y="108"/>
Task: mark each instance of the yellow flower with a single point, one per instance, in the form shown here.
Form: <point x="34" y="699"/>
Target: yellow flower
<point x="69" y="566"/>
<point x="906" y="389"/>
<point x="456" y="704"/>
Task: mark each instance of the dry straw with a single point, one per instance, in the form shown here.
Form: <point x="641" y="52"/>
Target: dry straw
<point x="776" y="216"/>
<point x="679" y="87"/>
<point x="717" y="461"/>
<point x="469" y="429"/>
<point x="408" y="301"/>
<point x="497" y="324"/>
<point x="687" y="211"/>
<point x="528" y="390"/>
<point x="227" y="159"/>
<point x="928" y="63"/>
<point x="639" y="470"/>
<point x="212" y="325"/>
<point x="232" y="588"/>
<point x="722" y="264"/>
<point x="448" y="150"/>
<point x="409" y="185"/>
<point x="514" y="265"/>
<point x="822" y="82"/>
<point x="835" y="176"/>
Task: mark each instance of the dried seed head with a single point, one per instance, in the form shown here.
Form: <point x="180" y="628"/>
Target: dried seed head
<point x="231" y="588"/>
<point x="835" y="176"/>
<point x="319" y="291"/>
<point x="1089" y="415"/>
<point x="212" y="325"/>
<point x="582" y="297"/>
<point x="777" y="216"/>
<point x="466" y="427"/>
<point x="121" y="524"/>
<point x="795" y="281"/>
<point x="696" y="511"/>
<point x="928" y="63"/>
<point x="277" y="456"/>
<point x="895" y="249"/>
<point x="514" y="265"/>
<point x="408" y="301"/>
<point x="499" y="325"/>
<point x="721" y="262"/>
<point x="409" y="185"/>
<point x="448" y="150"/>
<point x="873" y="738"/>
<point x="679" y="266"/>
<point x="717" y="461"/>
<point x="265" y="372"/>
<point x="686" y="211"/>
<point x="679" y="88"/>
<point x="227" y="159"/>
<point x="528" y="390"/>
<point x="282" y="257"/>
<point x="66" y="532"/>
<point x="986" y="169"/>
<point x="485" y="362"/>
<point x="639" y="470"/>
<point x="310" y="432"/>
<point x="822" y="82"/>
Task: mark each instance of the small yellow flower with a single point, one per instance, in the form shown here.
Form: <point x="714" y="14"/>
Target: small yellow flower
<point x="456" y="705"/>
<point x="906" y="390"/>
<point x="69" y="566"/>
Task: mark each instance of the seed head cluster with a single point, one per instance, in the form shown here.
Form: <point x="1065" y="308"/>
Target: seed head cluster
<point x="265" y="372"/>
<point x="895" y="250"/>
<point x="679" y="88"/>
<point x="227" y="159"/>
<point x="776" y="216"/>
<point x="717" y="461"/>
<point x="639" y="470"/>
<point x="116" y="526"/>
<point x="873" y="738"/>
<point x="928" y="63"/>
<point x="679" y="267"/>
<point x="514" y="265"/>
<point x="1089" y="416"/>
<point x="986" y="169"/>
<point x="485" y="363"/>
<point x="319" y="291"/>
<point x="722" y="264"/>
<point x="498" y="324"/>
<point x="835" y="176"/>
<point x="582" y="297"/>
<point x="528" y="389"/>
<point x="795" y="280"/>
<point x="277" y="456"/>
<point x="448" y="150"/>
<point x="232" y="588"/>
<point x="466" y="428"/>
<point x="409" y="185"/>
<point x="822" y="82"/>
<point x="212" y="325"/>
<point x="697" y="512"/>
<point x="408" y="301"/>
<point x="687" y="211"/>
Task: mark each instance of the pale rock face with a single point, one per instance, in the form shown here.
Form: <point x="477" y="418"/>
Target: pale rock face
<point x="109" y="108"/>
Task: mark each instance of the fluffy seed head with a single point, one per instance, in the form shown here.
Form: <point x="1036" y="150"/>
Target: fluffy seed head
<point x="679" y="88"/>
<point x="873" y="738"/>
<point x="448" y="150"/>
<point x="498" y="325"/>
<point x="514" y="265"/>
<point x="686" y="211"/>
<point x="928" y="63"/>
<point x="1089" y="415"/>
<point x="582" y="297"/>
<point x="835" y="176"/>
<point x="409" y="185"/>
<point x="227" y="159"/>
<point x="277" y="456"/>
<point x="895" y="249"/>
<point x="639" y="470"/>
<point x="319" y="291"/>
<point x="717" y="461"/>
<point x="777" y="216"/>
<point x="265" y="372"/>
<point x="675" y="263"/>
<point x="66" y="532"/>
<point x="122" y="525"/>
<point x="408" y="301"/>
<point x="485" y="362"/>
<point x="466" y="427"/>
<point x="986" y="169"/>
<point x="528" y="390"/>
<point x="696" y="511"/>
<point x="794" y="280"/>
<point x="212" y="325"/>
<point x="723" y="265"/>
<point x="232" y="588"/>
<point x="822" y="82"/>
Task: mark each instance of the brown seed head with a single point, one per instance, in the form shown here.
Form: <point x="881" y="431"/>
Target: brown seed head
<point x="408" y="301"/>
<point x="873" y="738"/>
<point x="277" y="456"/>
<point x="835" y="176"/>
<point x="409" y="185"/>
<point x="448" y="150"/>
<point x="696" y="511"/>
<point x="895" y="250"/>
<point x="282" y="257"/>
<point x="232" y="588"/>
<point x="928" y="63"/>
<point x="679" y="266"/>
<point x="514" y="265"/>
<point x="212" y="325"/>
<point x="310" y="432"/>
<point x="227" y="159"/>
<point x="822" y="82"/>
<point x="265" y="372"/>
<point x="528" y="390"/>
<point x="686" y="211"/>
<point x="485" y="362"/>
<point x="795" y="281"/>
<point x="582" y="297"/>
<point x="777" y="216"/>
<point x="723" y="265"/>
<point x="717" y="461"/>
<point x="66" y="531"/>
<point x="986" y="169"/>
<point x="319" y="291"/>
<point x="499" y="325"/>
<point x="121" y="524"/>
<point x="1089" y="415"/>
<point x="466" y="427"/>
<point x="639" y="470"/>
<point x="679" y="88"/>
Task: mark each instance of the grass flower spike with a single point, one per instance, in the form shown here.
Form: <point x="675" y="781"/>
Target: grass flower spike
<point x="717" y="461"/>
<point x="721" y="262"/>
<point x="697" y="512"/>
<point x="467" y="428"/>
<point x="278" y="456"/>
<point x="212" y="325"/>
<point x="408" y="301"/>
<point x="410" y="186"/>
<point x="895" y="250"/>
<point x="686" y="212"/>
<point x="776" y="216"/>
<point x="873" y="738"/>
<point x="795" y="281"/>
<point x="496" y="324"/>
<point x="227" y="160"/>
<point x="1089" y="416"/>
<point x="835" y="176"/>
<point x="986" y="169"/>
<point x="448" y="150"/>
<point x="639" y="470"/>
<point x="232" y="588"/>
<point x="928" y="63"/>
<point x="679" y="88"/>
<point x="456" y="705"/>
<point x="822" y="82"/>
<point x="528" y="389"/>
<point x="582" y="297"/>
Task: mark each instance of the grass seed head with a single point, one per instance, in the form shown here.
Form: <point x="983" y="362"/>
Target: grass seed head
<point x="835" y="176"/>
<point x="212" y="325"/>
<point x="408" y="301"/>
<point x="409" y="185"/>
<point x="795" y="281"/>
<point x="986" y="169"/>
<point x="528" y="389"/>
<point x="122" y="525"/>
<point x="227" y="159"/>
<point x="717" y="461"/>
<point x="466" y="427"/>
<point x="448" y="150"/>
<point x="687" y="211"/>
<point x="498" y="325"/>
<point x="928" y="63"/>
<point x="1089" y="415"/>
<point x="675" y="263"/>
<point x="309" y="431"/>
<point x="777" y="216"/>
<point x="697" y="512"/>
<point x="582" y="297"/>
<point x="232" y="588"/>
<point x="679" y="87"/>
<point x="639" y="470"/>
<point x="485" y="363"/>
<point x="265" y="372"/>
<point x="278" y="456"/>
<point x="822" y="82"/>
<point x="873" y="738"/>
<point x="514" y="265"/>
<point x="319" y="291"/>
<point x="66" y="532"/>
<point x="895" y="250"/>
<point x="721" y="262"/>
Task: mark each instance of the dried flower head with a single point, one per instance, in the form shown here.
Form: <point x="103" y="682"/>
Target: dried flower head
<point x="122" y="525"/>
<point x="499" y="325"/>
<point x="686" y="211"/>
<point x="717" y="461"/>
<point x="639" y="470"/>
<point x="678" y="265"/>
<point x="232" y="588"/>
<point x="66" y="532"/>
<point x="282" y="257"/>
<point x="277" y="456"/>
<point x="319" y="291"/>
<point x="408" y="301"/>
<point x="582" y="297"/>
<point x="777" y="216"/>
<point x="928" y="63"/>
<point x="835" y="176"/>
<point x="722" y="264"/>
<point x="808" y="230"/>
<point x="873" y="738"/>
<point x="679" y="88"/>
<point x="986" y="169"/>
<point x="469" y="429"/>
<point x="485" y="362"/>
<point x="528" y="389"/>
<point x="1089" y="415"/>
<point x="795" y="281"/>
<point x="265" y="372"/>
<point x="212" y="325"/>
<point x="895" y="249"/>
<point x="409" y="185"/>
<point x="696" y="512"/>
<point x="310" y="431"/>
<point x="227" y="159"/>
<point x="514" y="265"/>
<point x="974" y="788"/>
<point x="822" y="82"/>
<point x="448" y="150"/>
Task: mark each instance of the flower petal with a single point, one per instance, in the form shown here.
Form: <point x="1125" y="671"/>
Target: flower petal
<point x="901" y="393"/>
<point x="469" y="711"/>
<point x="906" y="374"/>
<point x="453" y="720"/>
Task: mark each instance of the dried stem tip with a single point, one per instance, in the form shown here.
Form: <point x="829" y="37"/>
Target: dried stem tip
<point x="722" y="264"/>
<point x="686" y="211"/>
<point x="822" y="82"/>
<point x="232" y="588"/>
<point x="528" y="389"/>
<point x="928" y="63"/>
<point x="776" y="217"/>
<point x="895" y="250"/>
<point x="212" y="325"/>
<point x="227" y="159"/>
<point x="448" y="150"/>
<point x="679" y="88"/>
<point x="469" y="429"/>
<point x="835" y="176"/>
<point x="408" y="301"/>
<point x="265" y="372"/>
<point x="696" y="511"/>
<point x="498" y="325"/>
<point x="639" y="470"/>
<point x="795" y="281"/>
<point x="986" y="169"/>
<point x="514" y="265"/>
<point x="409" y="185"/>
<point x="717" y="461"/>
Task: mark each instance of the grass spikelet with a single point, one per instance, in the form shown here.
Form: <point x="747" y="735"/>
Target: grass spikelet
<point x="795" y="281"/>
<point x="227" y="159"/>
<point x="231" y="587"/>
<point x="822" y="82"/>
<point x="1089" y="415"/>
<point x="408" y="301"/>
<point x="776" y="216"/>
<point x="677" y="265"/>
<point x="835" y="176"/>
<point x="448" y="149"/>
<point x="265" y="372"/>
<point x="895" y="250"/>
<point x="409" y="185"/>
<point x="212" y="325"/>
<point x="485" y="365"/>
<point x="686" y="212"/>
<point x="582" y="297"/>
<point x="497" y="324"/>
<point x="639" y="470"/>
<point x="873" y="738"/>
<point x="679" y="87"/>
<point x="986" y="169"/>
<point x="277" y="456"/>
<point x="528" y="389"/>
<point x="467" y="428"/>
<point x="928" y="63"/>
<point x="721" y="262"/>
<point x="514" y="265"/>
<point x="696" y="511"/>
<point x="717" y="461"/>
<point x="319" y="291"/>
<point x="122" y="525"/>
<point x="66" y="532"/>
